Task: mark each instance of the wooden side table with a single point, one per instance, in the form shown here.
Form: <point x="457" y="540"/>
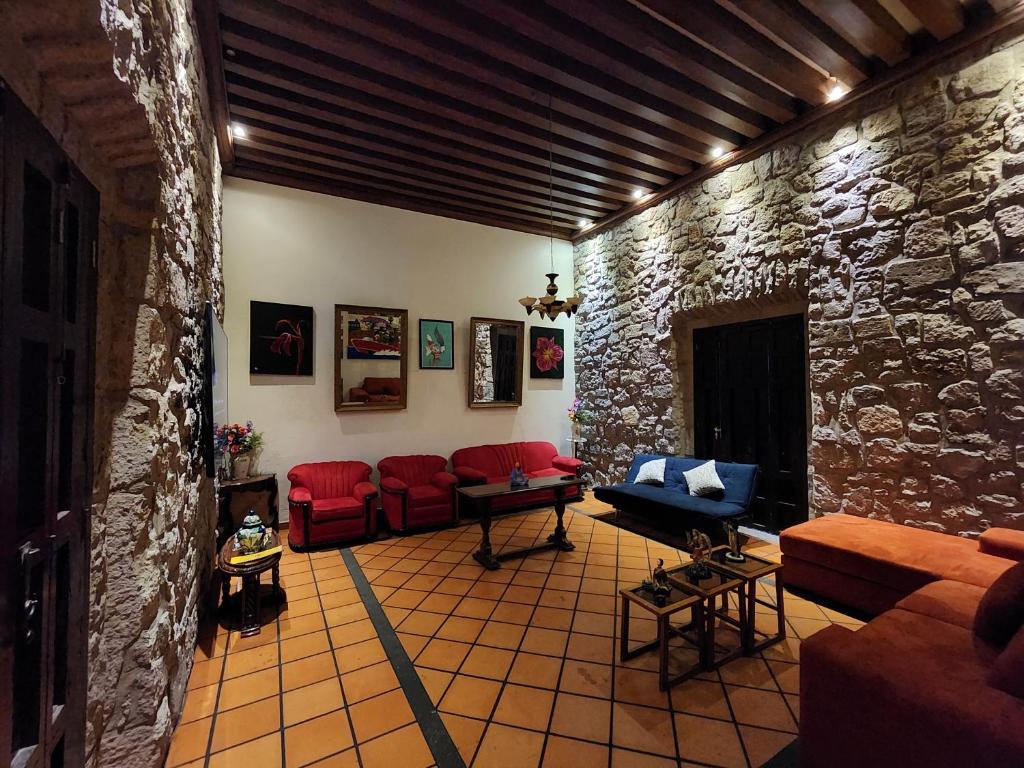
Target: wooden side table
<point x="677" y="601"/>
<point x="750" y="572"/>
<point x="708" y="590"/>
<point x="250" y="572"/>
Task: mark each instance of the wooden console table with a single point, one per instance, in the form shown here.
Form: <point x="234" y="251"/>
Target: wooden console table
<point x="482" y="495"/>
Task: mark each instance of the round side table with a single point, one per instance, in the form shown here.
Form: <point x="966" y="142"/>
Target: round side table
<point x="250" y="574"/>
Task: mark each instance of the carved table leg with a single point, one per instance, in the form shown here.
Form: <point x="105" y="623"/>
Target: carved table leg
<point x="558" y="538"/>
<point x="484" y="555"/>
<point x="250" y="605"/>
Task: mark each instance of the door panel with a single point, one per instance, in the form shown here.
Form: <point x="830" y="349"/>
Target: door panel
<point x="47" y="316"/>
<point x="750" y="407"/>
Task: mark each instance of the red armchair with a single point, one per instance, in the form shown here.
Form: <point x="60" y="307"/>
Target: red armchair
<point x="377" y="390"/>
<point x="416" y="491"/>
<point x="330" y="502"/>
<point x="494" y="463"/>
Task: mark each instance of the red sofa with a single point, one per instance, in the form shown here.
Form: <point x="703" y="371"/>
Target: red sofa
<point x="330" y="502"/>
<point x="417" y="492"/>
<point x="377" y="390"/>
<point x="494" y="463"/>
<point x="916" y="686"/>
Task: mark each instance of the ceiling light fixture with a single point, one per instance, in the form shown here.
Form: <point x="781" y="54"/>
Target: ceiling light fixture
<point x="717" y="152"/>
<point x="638" y="193"/>
<point x="836" y="90"/>
<point x="238" y="131"/>
<point x="549" y="305"/>
<point x="583" y="223"/>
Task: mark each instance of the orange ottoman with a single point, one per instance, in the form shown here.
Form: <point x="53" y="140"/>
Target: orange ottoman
<point x="870" y="565"/>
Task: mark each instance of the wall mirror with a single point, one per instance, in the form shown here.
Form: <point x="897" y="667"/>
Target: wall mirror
<point x="371" y="346"/>
<point x="495" y="362"/>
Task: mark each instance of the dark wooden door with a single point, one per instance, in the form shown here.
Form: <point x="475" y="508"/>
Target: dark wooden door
<point x="47" y="319"/>
<point x="750" y="407"/>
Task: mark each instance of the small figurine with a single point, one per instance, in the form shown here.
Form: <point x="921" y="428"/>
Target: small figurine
<point x="733" y="555"/>
<point x="253" y="536"/>
<point x="699" y="546"/>
<point x="517" y="479"/>
<point x="661" y="587"/>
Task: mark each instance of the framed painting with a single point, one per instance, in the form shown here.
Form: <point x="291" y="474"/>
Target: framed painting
<point x="280" y="339"/>
<point x="547" y="353"/>
<point x="437" y="344"/>
<point x="374" y="337"/>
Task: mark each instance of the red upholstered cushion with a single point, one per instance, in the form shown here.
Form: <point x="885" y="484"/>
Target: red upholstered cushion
<point x="948" y="601"/>
<point x="341" y="508"/>
<point x="1002" y="542"/>
<point x="412" y="470"/>
<point x="427" y="495"/>
<point x="549" y="472"/>
<point x="499" y="460"/>
<point x="382" y="386"/>
<point x="329" y="479"/>
<point x="1001" y="611"/>
<point x="1007" y="672"/>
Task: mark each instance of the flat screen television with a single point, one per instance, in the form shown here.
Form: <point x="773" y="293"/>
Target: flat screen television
<point x="215" y="385"/>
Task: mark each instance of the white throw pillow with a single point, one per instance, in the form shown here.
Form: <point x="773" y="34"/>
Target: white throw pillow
<point x="703" y="480"/>
<point x="652" y="471"/>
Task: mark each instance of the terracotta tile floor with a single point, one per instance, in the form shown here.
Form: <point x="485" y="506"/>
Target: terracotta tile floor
<point x="521" y="663"/>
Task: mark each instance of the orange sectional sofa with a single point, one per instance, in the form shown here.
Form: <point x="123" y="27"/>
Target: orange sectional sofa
<point x="920" y="684"/>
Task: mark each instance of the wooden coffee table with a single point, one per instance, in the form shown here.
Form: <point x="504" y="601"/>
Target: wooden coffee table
<point x="250" y="572"/>
<point x="750" y="572"/>
<point x="708" y="590"/>
<point x="677" y="601"/>
<point x="481" y="496"/>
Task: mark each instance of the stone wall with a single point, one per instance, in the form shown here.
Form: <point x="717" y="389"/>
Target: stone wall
<point x="119" y="85"/>
<point x="899" y="225"/>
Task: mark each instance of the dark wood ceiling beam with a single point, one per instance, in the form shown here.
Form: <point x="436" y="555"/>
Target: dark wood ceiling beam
<point x="635" y="29"/>
<point x="584" y="92"/>
<point x="255" y="171"/>
<point x="860" y="24"/>
<point x="942" y="18"/>
<point x="805" y="35"/>
<point x="272" y="99"/>
<point x="448" y="202"/>
<point x="313" y="48"/>
<point x="250" y="112"/>
<point x="719" y="31"/>
<point x="425" y="118"/>
<point x="208" y="29"/>
<point x="307" y="132"/>
<point x="1009" y="22"/>
<point x="400" y="182"/>
<point x="261" y="133"/>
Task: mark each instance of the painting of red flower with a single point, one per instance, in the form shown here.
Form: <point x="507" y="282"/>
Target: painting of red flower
<point x="280" y="339"/>
<point x="547" y="353"/>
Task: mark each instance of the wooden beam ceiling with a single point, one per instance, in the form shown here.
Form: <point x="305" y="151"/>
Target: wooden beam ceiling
<point x="462" y="108"/>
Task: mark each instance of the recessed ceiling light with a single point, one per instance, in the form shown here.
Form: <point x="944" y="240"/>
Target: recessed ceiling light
<point x="238" y="131"/>
<point x="836" y="90"/>
<point x="717" y="151"/>
<point x="583" y="223"/>
<point x="638" y="193"/>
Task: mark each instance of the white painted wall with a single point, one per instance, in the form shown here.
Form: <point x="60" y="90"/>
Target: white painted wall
<point x="298" y="247"/>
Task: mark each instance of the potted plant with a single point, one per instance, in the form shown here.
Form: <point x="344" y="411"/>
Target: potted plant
<point x="237" y="442"/>
<point x="578" y="417"/>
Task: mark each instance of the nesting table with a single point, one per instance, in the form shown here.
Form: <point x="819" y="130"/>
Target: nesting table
<point x="707" y="599"/>
<point x="249" y="572"/>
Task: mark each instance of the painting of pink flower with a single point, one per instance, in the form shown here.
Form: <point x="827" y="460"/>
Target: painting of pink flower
<point x="547" y="355"/>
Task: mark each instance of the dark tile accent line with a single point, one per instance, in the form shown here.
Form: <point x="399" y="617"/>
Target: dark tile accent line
<point x="446" y="755"/>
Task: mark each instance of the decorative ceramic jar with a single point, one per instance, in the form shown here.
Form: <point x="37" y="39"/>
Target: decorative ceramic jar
<point x="253" y="536"/>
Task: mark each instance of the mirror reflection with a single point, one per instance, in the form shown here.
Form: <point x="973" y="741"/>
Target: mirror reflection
<point x="496" y="362"/>
<point x="370" y="357"/>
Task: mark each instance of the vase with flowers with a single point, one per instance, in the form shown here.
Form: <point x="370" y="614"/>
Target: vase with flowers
<point x="238" y="443"/>
<point x="578" y="418"/>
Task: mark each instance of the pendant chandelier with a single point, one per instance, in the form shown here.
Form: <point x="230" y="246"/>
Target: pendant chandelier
<point x="549" y="305"/>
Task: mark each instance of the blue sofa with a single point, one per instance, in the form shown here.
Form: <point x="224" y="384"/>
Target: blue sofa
<point x="673" y="498"/>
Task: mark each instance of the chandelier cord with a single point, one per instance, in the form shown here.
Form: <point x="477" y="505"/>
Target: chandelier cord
<point x="551" y="197"/>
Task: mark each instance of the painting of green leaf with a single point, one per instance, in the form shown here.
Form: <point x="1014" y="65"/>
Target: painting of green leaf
<point x="437" y="341"/>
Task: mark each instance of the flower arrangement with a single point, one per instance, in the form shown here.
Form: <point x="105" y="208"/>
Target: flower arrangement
<point x="234" y="439"/>
<point x="577" y="415"/>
